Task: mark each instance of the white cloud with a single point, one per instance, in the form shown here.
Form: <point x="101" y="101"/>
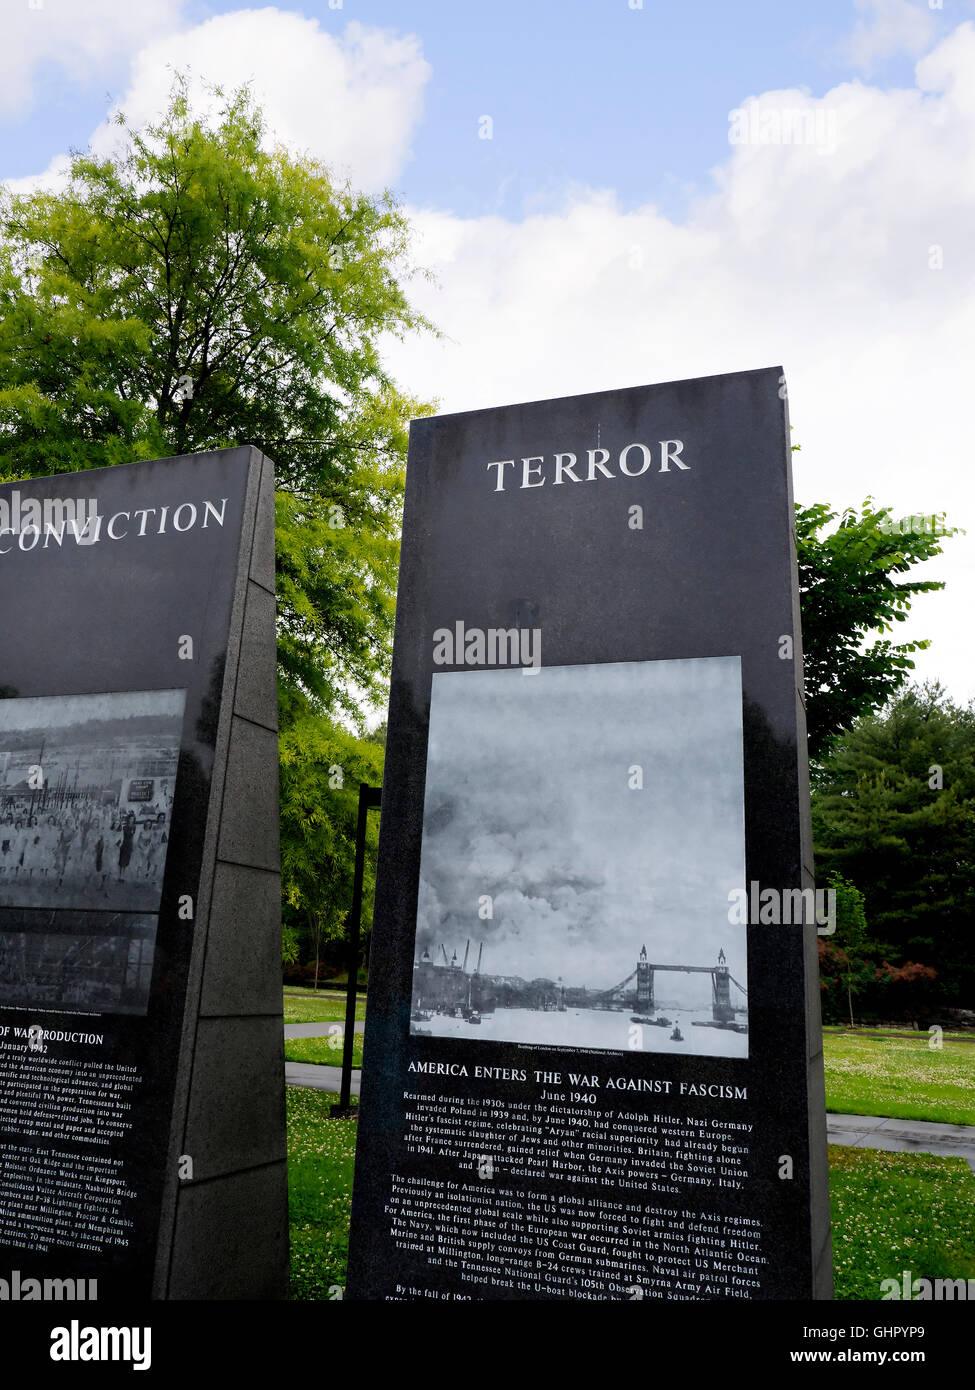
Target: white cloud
<point x="814" y="255"/>
<point x="52" y="180"/>
<point x="819" y="261"/>
<point x="352" y="101"/>
<point x="80" y="38"/>
<point x="888" y="29"/>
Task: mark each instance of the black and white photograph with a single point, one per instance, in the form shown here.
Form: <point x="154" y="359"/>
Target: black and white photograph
<point x="583" y="829"/>
<point x="77" y="962"/>
<point x="86" y="796"/>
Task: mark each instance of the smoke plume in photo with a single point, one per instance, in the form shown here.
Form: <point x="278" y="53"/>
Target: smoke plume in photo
<point x="529" y="805"/>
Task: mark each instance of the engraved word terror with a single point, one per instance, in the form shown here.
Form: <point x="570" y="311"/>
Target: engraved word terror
<point x="633" y="461"/>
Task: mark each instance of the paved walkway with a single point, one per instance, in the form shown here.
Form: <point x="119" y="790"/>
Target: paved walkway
<point x="320" y="1078"/>
<point x="319" y="1030"/>
<point x="908" y="1136"/>
<point x="312" y="1073"/>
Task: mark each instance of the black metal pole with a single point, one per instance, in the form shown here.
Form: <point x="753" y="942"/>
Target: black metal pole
<point x="368" y="798"/>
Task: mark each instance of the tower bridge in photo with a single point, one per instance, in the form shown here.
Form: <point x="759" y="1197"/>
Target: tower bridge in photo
<point x="443" y="984"/>
<point x="722" y="1003"/>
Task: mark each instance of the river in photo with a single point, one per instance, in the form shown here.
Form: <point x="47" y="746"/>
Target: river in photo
<point x="607" y="1029"/>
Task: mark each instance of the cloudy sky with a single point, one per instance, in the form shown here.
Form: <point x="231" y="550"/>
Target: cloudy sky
<point x="595" y="214"/>
<point x="47" y="713"/>
<point x="529" y="802"/>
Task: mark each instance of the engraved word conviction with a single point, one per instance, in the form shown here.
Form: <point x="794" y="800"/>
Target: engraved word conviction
<point x="633" y="461"/>
<point x="21" y="514"/>
<point x="144" y="521"/>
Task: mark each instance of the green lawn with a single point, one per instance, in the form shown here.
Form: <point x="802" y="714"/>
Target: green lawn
<point x="309" y="1007"/>
<point x="335" y="990"/>
<point x="902" y="1078"/>
<point x="891" y="1211"/>
<point x="918" y="1034"/>
<point x="897" y="1211"/>
<point x="325" y="1052"/>
<point x="321" y="1152"/>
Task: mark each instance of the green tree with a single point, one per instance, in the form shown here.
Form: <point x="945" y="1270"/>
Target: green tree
<point x="198" y="290"/>
<point x="842" y="955"/>
<point x="894" y="813"/>
<point x="849" y="591"/>
<point x="322" y="766"/>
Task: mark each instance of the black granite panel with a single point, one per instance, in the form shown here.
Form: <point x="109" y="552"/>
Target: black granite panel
<point x="243" y="961"/>
<point x="256" y="697"/>
<point x="237" y="1098"/>
<point x="122" y="604"/>
<point x="249" y="831"/>
<point x="262" y="556"/>
<point x="231" y="1239"/>
<point x="640" y="545"/>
